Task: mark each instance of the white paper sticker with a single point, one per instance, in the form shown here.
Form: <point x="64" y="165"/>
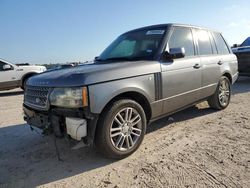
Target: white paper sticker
<point x="155" y="32"/>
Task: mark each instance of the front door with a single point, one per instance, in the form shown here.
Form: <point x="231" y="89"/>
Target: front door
<point x="181" y="78"/>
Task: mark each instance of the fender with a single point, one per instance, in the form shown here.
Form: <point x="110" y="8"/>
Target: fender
<point x="27" y="75"/>
<point x="110" y="90"/>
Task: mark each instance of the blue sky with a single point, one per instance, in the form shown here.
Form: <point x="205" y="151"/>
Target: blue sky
<point x="58" y="31"/>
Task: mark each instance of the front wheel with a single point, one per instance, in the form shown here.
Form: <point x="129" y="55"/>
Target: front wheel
<point x="121" y="129"/>
<point x="221" y="98"/>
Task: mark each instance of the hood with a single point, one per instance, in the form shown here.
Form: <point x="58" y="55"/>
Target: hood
<point x="94" y="73"/>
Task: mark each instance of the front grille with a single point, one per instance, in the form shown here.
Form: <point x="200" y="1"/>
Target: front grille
<point x="36" y="96"/>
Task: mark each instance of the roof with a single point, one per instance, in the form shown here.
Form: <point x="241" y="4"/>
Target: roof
<point x="172" y="24"/>
<point x="3" y="60"/>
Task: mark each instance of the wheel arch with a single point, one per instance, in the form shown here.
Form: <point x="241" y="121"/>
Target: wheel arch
<point x="133" y="95"/>
<point x="228" y="75"/>
<point x="26" y="76"/>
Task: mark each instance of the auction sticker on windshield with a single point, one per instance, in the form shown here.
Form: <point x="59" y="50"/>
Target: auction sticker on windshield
<point x="155" y="32"/>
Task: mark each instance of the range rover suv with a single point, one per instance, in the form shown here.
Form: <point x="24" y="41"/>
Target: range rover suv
<point x="145" y="74"/>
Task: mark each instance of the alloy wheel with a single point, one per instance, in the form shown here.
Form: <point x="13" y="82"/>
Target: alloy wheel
<point x="126" y="129"/>
<point x="224" y="92"/>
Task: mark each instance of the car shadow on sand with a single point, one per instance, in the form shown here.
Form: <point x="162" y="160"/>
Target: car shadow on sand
<point x="180" y="116"/>
<point x="29" y="159"/>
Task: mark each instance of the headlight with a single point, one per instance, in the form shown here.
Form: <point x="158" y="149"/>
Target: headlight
<point x="69" y="97"/>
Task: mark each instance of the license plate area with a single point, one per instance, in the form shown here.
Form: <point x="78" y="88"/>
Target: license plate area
<point x="38" y="120"/>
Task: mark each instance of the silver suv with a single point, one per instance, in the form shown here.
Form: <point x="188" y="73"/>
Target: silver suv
<point x="143" y="75"/>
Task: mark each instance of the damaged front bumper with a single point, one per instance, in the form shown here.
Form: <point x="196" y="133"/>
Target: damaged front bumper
<point x="79" y="124"/>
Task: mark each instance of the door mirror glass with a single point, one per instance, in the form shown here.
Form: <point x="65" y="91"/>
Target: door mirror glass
<point x="7" y="67"/>
<point x="174" y="53"/>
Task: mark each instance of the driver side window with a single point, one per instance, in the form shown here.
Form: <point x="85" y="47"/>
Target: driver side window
<point x="182" y="37"/>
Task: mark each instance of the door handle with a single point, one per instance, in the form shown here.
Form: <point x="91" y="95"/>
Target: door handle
<point x="197" y="66"/>
<point x="220" y="62"/>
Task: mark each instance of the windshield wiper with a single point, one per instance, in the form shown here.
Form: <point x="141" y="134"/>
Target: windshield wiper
<point x="124" y="58"/>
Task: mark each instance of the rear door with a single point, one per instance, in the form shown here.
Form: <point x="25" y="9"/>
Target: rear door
<point x="181" y="78"/>
<point x="210" y="61"/>
<point x="228" y="60"/>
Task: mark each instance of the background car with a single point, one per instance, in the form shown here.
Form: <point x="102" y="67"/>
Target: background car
<point x="242" y="52"/>
<point x="14" y="76"/>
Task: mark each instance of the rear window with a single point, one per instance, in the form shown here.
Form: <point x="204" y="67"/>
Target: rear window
<point x="220" y="44"/>
<point x="213" y="43"/>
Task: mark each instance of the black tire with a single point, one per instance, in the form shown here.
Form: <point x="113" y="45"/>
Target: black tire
<point x="104" y="140"/>
<point x="214" y="101"/>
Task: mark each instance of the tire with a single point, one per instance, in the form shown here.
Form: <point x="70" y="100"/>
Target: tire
<point x="121" y="129"/>
<point x="221" y="98"/>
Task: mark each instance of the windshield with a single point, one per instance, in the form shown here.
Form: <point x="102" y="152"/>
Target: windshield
<point x="137" y="45"/>
<point x="246" y="42"/>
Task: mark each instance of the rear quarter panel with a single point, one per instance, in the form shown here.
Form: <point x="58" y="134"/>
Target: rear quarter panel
<point x="230" y="66"/>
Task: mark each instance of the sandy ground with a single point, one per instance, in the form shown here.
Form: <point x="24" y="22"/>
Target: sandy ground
<point x="200" y="148"/>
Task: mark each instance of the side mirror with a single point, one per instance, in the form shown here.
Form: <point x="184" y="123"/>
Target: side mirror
<point x="174" y="53"/>
<point x="7" y="67"/>
<point x="235" y="45"/>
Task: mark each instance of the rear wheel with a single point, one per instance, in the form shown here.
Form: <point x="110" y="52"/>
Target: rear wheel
<point x="221" y="98"/>
<point x="121" y="129"/>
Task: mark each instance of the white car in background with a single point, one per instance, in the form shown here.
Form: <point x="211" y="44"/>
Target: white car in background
<point x="14" y="76"/>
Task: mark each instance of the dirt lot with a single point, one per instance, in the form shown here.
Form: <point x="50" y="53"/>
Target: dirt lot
<point x="199" y="148"/>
